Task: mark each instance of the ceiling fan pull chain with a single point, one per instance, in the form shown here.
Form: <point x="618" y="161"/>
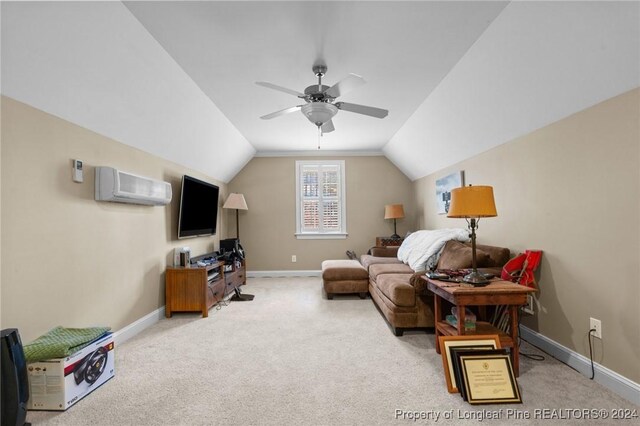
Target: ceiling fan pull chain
<point x="319" y="136"/>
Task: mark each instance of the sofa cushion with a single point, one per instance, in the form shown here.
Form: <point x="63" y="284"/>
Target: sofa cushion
<point x="498" y="256"/>
<point x="384" y="251"/>
<point x="343" y="269"/>
<point x="397" y="289"/>
<point x="457" y="255"/>
<point x="388" y="268"/>
<point x="368" y="260"/>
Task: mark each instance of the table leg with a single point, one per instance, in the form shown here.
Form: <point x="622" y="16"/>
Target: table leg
<point x="461" y="319"/>
<point x="515" y="350"/>
<point x="438" y="316"/>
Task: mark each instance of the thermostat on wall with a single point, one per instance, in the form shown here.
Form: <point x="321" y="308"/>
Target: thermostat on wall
<point x="77" y="171"/>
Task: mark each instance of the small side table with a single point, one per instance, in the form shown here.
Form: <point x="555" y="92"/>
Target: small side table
<point x="498" y="292"/>
<point x="388" y="241"/>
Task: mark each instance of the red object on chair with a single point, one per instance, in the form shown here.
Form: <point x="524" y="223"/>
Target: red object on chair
<point x="520" y="269"/>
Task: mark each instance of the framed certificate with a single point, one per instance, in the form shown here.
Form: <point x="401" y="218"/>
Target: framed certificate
<point x="489" y="341"/>
<point x="458" y="372"/>
<point x="487" y="378"/>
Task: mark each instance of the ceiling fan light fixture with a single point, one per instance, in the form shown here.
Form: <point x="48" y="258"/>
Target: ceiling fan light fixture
<point x="319" y="112"/>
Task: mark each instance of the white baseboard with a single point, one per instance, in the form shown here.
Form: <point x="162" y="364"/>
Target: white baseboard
<point x="275" y="274"/>
<point x="127" y="332"/>
<point x="610" y="379"/>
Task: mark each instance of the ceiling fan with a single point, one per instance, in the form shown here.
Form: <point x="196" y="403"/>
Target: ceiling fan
<point x="320" y="107"/>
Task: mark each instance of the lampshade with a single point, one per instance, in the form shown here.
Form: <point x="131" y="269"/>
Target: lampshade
<point x="472" y="202"/>
<point x="319" y="112"/>
<point x="235" y="201"/>
<point x="393" y="211"/>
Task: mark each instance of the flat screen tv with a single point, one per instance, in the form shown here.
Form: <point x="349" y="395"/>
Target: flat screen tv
<point x="198" y="208"/>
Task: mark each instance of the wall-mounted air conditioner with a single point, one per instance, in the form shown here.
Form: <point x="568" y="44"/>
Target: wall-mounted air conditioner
<point x="122" y="187"/>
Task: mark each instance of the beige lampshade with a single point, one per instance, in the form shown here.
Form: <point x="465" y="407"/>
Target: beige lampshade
<point x="393" y="211"/>
<point x="472" y="202"/>
<point x="235" y="201"/>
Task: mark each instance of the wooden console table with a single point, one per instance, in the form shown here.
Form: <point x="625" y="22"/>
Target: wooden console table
<point x="498" y="292"/>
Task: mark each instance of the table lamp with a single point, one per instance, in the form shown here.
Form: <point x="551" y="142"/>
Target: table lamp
<point x="473" y="203"/>
<point x="394" y="211"/>
<point x="236" y="201"/>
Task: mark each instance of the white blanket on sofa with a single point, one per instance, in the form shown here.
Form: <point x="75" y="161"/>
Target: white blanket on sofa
<point x="421" y="249"/>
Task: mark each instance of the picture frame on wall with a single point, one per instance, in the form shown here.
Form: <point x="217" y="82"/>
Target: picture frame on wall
<point x="444" y="185"/>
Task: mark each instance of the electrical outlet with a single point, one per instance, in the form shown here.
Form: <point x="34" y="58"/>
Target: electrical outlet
<point x="294" y="259"/>
<point x="528" y="308"/>
<point x="595" y="324"/>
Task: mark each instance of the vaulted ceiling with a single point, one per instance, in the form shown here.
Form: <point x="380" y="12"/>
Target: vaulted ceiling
<point x="176" y="79"/>
<point x="403" y="51"/>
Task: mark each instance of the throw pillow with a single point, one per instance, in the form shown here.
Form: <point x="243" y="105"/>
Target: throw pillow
<point x="457" y="255"/>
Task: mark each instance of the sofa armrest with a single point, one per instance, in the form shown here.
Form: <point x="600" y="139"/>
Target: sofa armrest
<point x="384" y="251"/>
<point x="418" y="283"/>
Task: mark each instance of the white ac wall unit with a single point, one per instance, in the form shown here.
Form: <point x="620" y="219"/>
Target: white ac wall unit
<point x="122" y="187"/>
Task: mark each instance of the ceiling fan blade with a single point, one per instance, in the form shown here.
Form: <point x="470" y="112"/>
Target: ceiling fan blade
<point x="362" y="109"/>
<point x="328" y="127"/>
<point x="280" y="88"/>
<point x="345" y="85"/>
<point x="281" y="112"/>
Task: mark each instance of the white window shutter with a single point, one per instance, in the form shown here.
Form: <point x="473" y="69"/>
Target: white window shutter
<point x="320" y="199"/>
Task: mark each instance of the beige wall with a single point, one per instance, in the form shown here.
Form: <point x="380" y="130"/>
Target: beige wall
<point x="267" y="229"/>
<point x="571" y="189"/>
<point x="67" y="259"/>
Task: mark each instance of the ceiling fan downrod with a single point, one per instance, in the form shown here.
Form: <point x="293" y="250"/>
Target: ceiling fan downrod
<point x="320" y="71"/>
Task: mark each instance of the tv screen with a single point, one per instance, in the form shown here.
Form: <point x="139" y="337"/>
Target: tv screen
<point x="198" y="208"/>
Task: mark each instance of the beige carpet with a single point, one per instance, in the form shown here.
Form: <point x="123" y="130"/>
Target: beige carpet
<point x="292" y="357"/>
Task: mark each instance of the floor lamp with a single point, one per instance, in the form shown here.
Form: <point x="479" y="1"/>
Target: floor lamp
<point x="237" y="202"/>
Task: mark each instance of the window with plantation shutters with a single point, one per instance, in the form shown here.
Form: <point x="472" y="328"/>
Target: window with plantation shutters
<point x="320" y="199"/>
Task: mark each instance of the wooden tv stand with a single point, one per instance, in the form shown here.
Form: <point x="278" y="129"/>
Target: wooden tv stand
<point x="198" y="288"/>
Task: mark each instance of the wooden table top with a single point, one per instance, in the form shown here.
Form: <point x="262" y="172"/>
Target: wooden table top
<point x="496" y="286"/>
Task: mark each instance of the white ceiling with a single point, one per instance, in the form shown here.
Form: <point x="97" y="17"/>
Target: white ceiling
<point x="537" y="63"/>
<point x="176" y="79"/>
<point x="93" y="64"/>
<point x="403" y="50"/>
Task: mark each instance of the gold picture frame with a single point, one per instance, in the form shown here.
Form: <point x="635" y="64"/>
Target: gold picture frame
<point x="488" y="378"/>
<point x="471" y="342"/>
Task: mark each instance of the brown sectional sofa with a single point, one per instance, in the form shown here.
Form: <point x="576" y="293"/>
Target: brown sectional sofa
<point x="401" y="295"/>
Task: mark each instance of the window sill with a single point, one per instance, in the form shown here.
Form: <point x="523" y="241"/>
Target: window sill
<point x="310" y="236"/>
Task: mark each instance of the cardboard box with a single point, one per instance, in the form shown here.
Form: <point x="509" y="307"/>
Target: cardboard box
<point x="57" y="384"/>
